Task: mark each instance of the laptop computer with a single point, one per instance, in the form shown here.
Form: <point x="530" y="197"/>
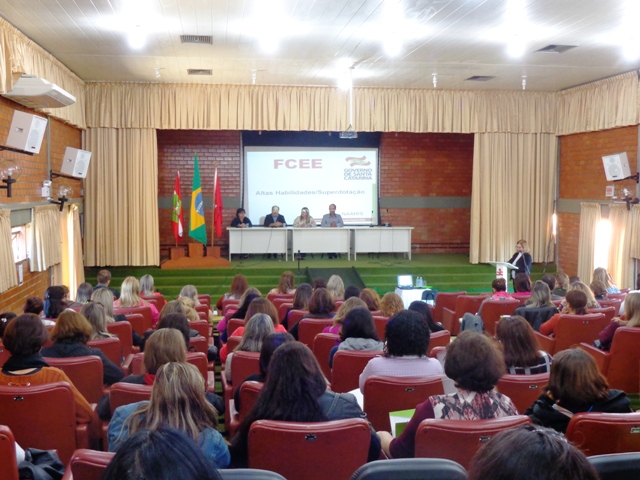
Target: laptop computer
<point x="405" y="281"/>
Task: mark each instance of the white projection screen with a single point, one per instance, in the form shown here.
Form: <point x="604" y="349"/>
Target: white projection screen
<point x="296" y="177"/>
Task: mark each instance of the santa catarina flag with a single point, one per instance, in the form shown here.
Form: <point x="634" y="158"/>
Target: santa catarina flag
<point x="197" y="227"/>
<point x="177" y="221"/>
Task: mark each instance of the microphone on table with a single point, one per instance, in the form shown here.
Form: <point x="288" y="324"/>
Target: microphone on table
<point x="370" y="226"/>
<point x="387" y="224"/>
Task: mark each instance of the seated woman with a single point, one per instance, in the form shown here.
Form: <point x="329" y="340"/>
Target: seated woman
<point x="238" y="286"/>
<point x="106" y="298"/>
<point x="540" y="296"/>
<point x="405" y="354"/>
<point x="602" y="275"/>
<point x="575" y="386"/>
<point x="241" y="220"/>
<point x="475" y="365"/>
<point x="54" y="302"/>
<point x="177" y="401"/>
<point x="70" y="337"/>
<point x="300" y="301"/>
<point x="422" y="309"/>
<point x="295" y="380"/>
<point x="390" y="304"/>
<point x="371" y="298"/>
<point x="33" y="305"/>
<point x="576" y="303"/>
<point x="164" y="346"/>
<point x="352" y="291"/>
<point x="5" y="318"/>
<point x="632" y="315"/>
<point x="286" y="285"/>
<point x="591" y="299"/>
<point x="255" y="330"/>
<point x="248" y="296"/>
<point x="304" y="220"/>
<point x="345" y="308"/>
<point x="599" y="290"/>
<point x="23" y="337"/>
<point x="320" y="306"/>
<point x="130" y="297"/>
<point x="97" y="318"/>
<point x="543" y="454"/>
<point x="83" y="295"/>
<point x="335" y="287"/>
<point x="358" y="332"/>
<point x="147" y="286"/>
<point x="191" y="292"/>
<point x="520" y="348"/>
<point x="521" y="285"/>
<point x="562" y="284"/>
<point x="269" y="345"/>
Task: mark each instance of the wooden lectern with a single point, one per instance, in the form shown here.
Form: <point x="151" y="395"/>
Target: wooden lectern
<point x="503" y="269"/>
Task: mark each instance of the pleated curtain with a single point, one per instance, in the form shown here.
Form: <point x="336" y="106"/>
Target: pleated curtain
<point x="72" y="273"/>
<point x="46" y="241"/>
<point x="8" y="274"/>
<point x="589" y="219"/>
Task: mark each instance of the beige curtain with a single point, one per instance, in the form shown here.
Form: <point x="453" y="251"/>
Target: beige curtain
<point x="589" y="219"/>
<point x="634" y="232"/>
<point x="46" y="242"/>
<point x="19" y="54"/>
<point x="620" y="264"/>
<point x="512" y="194"/>
<point x="8" y="274"/>
<point x="121" y="197"/>
<point x="72" y="267"/>
<point x="601" y="105"/>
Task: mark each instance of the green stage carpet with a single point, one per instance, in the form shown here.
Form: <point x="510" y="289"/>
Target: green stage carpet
<point x="446" y="272"/>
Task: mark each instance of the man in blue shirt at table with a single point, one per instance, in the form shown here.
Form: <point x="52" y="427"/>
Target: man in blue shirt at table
<point x="274" y="220"/>
<point x="332" y="219"/>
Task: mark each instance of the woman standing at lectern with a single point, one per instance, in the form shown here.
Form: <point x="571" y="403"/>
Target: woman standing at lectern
<point x="521" y="259"/>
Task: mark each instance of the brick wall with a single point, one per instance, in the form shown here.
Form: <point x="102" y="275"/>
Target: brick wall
<point x="582" y="178"/>
<point x="27" y="189"/>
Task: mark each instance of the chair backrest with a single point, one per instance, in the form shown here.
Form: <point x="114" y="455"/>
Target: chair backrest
<point x="199" y="360"/>
<point x="460" y="440"/>
<point x="464" y="304"/>
<point x="203" y="316"/>
<point x="249" y="392"/>
<point x="124" y="332"/>
<point x="602" y="433"/>
<point x="411" y="469"/>
<point x="202" y="309"/>
<point x="111" y="348"/>
<point x="230" y="301"/>
<point x="347" y="367"/>
<point x="85" y="373"/>
<point x="202" y="327"/>
<point x="617" y="466"/>
<point x="624" y="360"/>
<point x="383" y="395"/>
<point x="205" y="299"/>
<point x="122" y="393"/>
<point x="8" y="463"/>
<point x="233" y="324"/>
<point x="381" y="326"/>
<point x="27" y="411"/>
<point x="611" y="302"/>
<point x="439" y="339"/>
<point x="233" y="342"/>
<point x="138" y="322"/>
<point x="4" y="354"/>
<point x="492" y="310"/>
<point x="280" y="300"/>
<point x="230" y="307"/>
<point x="445" y="300"/>
<point x="273" y="296"/>
<point x="143" y="310"/>
<point x="322" y="346"/>
<point x="282" y="310"/>
<point x="616" y="296"/>
<point x="243" y="364"/>
<point x="608" y="312"/>
<point x="575" y="329"/>
<point x="200" y="344"/>
<point x="310" y="327"/>
<point x="294" y="317"/>
<point x="536" y="316"/>
<point x="88" y="464"/>
<point x="311" y="448"/>
<point x="338" y="304"/>
<point x="248" y="474"/>
<point x="523" y="390"/>
<point x="157" y="301"/>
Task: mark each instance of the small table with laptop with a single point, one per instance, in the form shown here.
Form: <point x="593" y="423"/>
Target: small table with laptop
<point x="410" y="292"/>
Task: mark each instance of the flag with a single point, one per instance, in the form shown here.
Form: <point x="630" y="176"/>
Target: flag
<point x="177" y="221"/>
<point x="217" y="205"/>
<point x="197" y="228"/>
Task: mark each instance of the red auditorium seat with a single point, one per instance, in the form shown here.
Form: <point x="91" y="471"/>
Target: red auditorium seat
<point x="572" y="330"/>
<point x="381" y="325"/>
<point x="608" y="312"/>
<point x="138" y="323"/>
<point x="310" y="327"/>
<point x="123" y="394"/>
<point x="523" y="390"/>
<point x="144" y="311"/>
<point x="445" y="300"/>
<point x="87" y="465"/>
<point x="233" y="324"/>
<point x="202" y="309"/>
<point x="282" y="310"/>
<point x="157" y="301"/>
<point x="243" y="364"/>
<point x="85" y="373"/>
<point x="233" y="342"/>
<point x="295" y="316"/>
<point x="8" y="464"/>
<point x="4" y="354"/>
<point x="249" y="392"/>
<point x="464" y="304"/>
<point x="205" y="299"/>
<point x="603" y="433"/>
<point x="347" y="367"/>
<point x="200" y="344"/>
<point x="111" y="348"/>
<point x="124" y="332"/>
<point x="322" y="346"/>
<point x="438" y="339"/>
<point x="202" y="327"/>
<point x="492" y="310"/>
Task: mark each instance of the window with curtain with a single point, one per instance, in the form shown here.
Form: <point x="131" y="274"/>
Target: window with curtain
<point x="8" y="275"/>
<point x="72" y="266"/>
<point x="46" y="248"/>
<point x="589" y="221"/>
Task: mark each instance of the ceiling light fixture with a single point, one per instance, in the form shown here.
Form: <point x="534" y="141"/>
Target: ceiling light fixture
<point x="137" y="37"/>
<point x="254" y="75"/>
<point x="158" y="72"/>
<point x="435" y="80"/>
<point x="524" y="82"/>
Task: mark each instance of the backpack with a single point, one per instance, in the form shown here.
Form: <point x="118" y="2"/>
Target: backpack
<point x="472" y="322"/>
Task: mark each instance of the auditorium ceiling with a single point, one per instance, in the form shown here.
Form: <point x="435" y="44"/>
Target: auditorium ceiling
<point x="379" y="43"/>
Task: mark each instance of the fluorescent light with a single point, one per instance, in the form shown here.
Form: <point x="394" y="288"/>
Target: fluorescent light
<point x="137" y="38"/>
<point x="516" y="48"/>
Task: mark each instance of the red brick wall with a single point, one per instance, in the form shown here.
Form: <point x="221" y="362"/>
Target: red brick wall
<point x="27" y="189"/>
<point x="582" y="178"/>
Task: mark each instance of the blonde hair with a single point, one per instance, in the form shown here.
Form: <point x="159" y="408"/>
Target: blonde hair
<point x="391" y="304"/>
<point x="335" y="287"/>
<point x="257" y="328"/>
<point x="602" y="275"/>
<point x="525" y="245"/>
<point x="287" y="282"/>
<point x="177" y="401"/>
<point x="96" y="316"/>
<point x="632" y="309"/>
<point x="191" y="292"/>
<point x="591" y="300"/>
<point x="540" y="296"/>
<point x="348" y="305"/>
<point x="247" y="292"/>
<point x="130" y="293"/>
<point x="164" y="346"/>
<point x="105" y="297"/>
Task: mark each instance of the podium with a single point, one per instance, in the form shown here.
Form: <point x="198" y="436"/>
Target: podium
<point x="503" y="269"/>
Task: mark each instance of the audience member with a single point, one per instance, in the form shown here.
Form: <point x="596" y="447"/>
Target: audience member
<point x="70" y="337"/>
<point x="591" y="299"/>
<point x="54" y="303"/>
<point x="602" y="275"/>
<point x="255" y="330"/>
<point x="521" y="285"/>
<point x="632" y="316"/>
<point x="147" y="286"/>
<point x="540" y="296"/>
<point x="475" y="365"/>
<point x="83" y="295"/>
<point x="106" y="299"/>
<point x="371" y="298"/>
<point x="390" y="304"/>
<point x="300" y="301"/>
<point x="238" y="286"/>
<point x="286" y="285"/>
<point x="345" y="308"/>
<point x="599" y="290"/>
<point x="177" y="401"/>
<point x="351" y="291"/>
<point x="550" y="280"/>
<point x="407" y="341"/>
<point x="5" y="318"/>
<point x="33" y="305"/>
<point x="104" y="280"/>
<point x="562" y="284"/>
<point x="318" y="282"/>
<point x="295" y="380"/>
<point x="424" y="310"/>
<point x="130" y="297"/>
<point x="247" y="297"/>
<point x="576" y="303"/>
<point x="575" y="386"/>
<point x="97" y="318"/>
<point x="358" y="332"/>
<point x="520" y="348"/>
<point x="335" y="287"/>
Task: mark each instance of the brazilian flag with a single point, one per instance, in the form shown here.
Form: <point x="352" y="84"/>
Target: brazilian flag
<point x="197" y="228"/>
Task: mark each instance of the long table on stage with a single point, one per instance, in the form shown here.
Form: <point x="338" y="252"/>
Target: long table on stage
<point x="261" y="240"/>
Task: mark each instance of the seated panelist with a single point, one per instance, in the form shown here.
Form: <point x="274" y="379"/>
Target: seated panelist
<point x="332" y="219"/>
<point x="241" y="220"/>
<point x="304" y="220"/>
<point x="275" y="219"/>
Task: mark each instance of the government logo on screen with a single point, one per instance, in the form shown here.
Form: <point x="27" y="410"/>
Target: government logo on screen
<point x="358" y="173"/>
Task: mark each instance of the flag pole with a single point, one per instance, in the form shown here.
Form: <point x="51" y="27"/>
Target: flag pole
<point x="213" y="216"/>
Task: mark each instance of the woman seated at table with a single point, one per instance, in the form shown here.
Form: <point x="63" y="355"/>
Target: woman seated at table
<point x="475" y="365"/>
<point x="241" y="220"/>
<point x="304" y="220"/>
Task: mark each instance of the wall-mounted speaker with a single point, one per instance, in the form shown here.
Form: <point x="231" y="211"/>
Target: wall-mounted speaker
<point x="616" y="166"/>
<point x="75" y="162"/>
<point x="26" y="132"/>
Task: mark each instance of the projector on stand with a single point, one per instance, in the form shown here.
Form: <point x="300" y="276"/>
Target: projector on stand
<point x="349" y="133"/>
